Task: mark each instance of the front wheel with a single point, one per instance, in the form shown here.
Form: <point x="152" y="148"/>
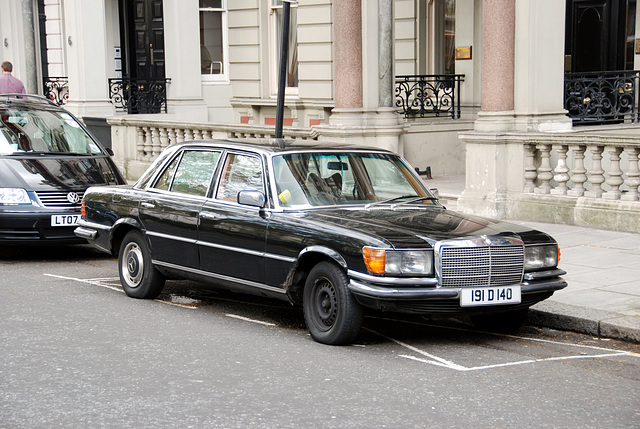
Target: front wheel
<point x="331" y="312"/>
<point x="138" y="276"/>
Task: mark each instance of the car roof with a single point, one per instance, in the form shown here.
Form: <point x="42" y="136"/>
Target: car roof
<point x="277" y="146"/>
<point x="28" y="101"/>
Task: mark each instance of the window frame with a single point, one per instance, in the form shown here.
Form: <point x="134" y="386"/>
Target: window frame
<point x="224" y="76"/>
<point x="274" y="55"/>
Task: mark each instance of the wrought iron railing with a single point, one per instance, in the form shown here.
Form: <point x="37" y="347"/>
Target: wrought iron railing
<point x="602" y="97"/>
<point x="429" y="95"/>
<point x="56" y="89"/>
<point x="139" y="95"/>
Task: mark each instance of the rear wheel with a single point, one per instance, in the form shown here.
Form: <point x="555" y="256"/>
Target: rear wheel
<point x="139" y="278"/>
<point x="331" y="312"/>
<point x="509" y="321"/>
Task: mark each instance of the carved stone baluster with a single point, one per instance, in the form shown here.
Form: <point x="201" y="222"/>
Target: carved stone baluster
<point x="596" y="175"/>
<point x="544" y="171"/>
<point x="180" y="135"/>
<point x="530" y="172"/>
<point x="139" y="143"/>
<point x="188" y="135"/>
<point x="164" y="138"/>
<point x="155" y="143"/>
<point x="148" y="143"/>
<point x="578" y="173"/>
<point x="562" y="172"/>
<point x="633" y="175"/>
<point x="615" y="175"/>
<point x="173" y="138"/>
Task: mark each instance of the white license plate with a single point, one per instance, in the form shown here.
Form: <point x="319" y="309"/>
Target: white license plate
<point x="470" y="297"/>
<point x="65" y="220"/>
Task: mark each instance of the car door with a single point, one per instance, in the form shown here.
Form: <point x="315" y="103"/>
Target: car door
<point x="169" y="210"/>
<point x="232" y="236"/>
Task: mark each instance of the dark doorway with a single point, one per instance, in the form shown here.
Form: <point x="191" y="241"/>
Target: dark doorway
<point x="596" y="35"/>
<point x="143" y="62"/>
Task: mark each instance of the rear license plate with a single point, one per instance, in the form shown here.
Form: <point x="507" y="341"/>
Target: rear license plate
<point x="471" y="297"/>
<point x="65" y="220"/>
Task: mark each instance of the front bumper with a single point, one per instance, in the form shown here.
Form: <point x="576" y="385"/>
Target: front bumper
<point x="23" y="227"/>
<point x="424" y="296"/>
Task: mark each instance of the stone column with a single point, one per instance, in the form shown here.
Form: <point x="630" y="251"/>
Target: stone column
<point x="31" y="81"/>
<point x="348" y="53"/>
<point x="497" y="73"/>
<point x="385" y="57"/>
<point x="87" y="51"/>
<point x="361" y="115"/>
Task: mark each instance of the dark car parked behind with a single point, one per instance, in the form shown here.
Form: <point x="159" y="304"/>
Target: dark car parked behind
<point x="47" y="161"/>
<point x="332" y="227"/>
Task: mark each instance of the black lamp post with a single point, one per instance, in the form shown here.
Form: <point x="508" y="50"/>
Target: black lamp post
<point x="284" y="53"/>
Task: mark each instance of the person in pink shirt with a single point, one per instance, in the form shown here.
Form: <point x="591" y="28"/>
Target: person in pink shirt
<point x="8" y="83"/>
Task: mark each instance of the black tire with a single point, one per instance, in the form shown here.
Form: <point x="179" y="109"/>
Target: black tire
<point x="138" y="276"/>
<point x="507" y="322"/>
<point x="332" y="314"/>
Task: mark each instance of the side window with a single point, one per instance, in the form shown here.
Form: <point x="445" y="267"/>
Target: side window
<point x="240" y="173"/>
<point x="192" y="175"/>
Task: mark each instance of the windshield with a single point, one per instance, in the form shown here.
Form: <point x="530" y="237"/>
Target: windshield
<point x="43" y="131"/>
<point x="308" y="179"/>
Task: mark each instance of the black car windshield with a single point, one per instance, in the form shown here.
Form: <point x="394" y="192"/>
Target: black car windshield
<point x="320" y="179"/>
<point x="24" y="131"/>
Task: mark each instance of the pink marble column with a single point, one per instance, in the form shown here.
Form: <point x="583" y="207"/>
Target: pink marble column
<point x="498" y="49"/>
<point x="347" y="53"/>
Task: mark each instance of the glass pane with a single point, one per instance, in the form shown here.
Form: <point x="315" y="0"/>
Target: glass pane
<point x="450" y="37"/>
<point x="215" y="4"/>
<point x="194" y="173"/>
<point x="211" y="43"/>
<point x="292" y="57"/>
<point x="342" y="178"/>
<point x="241" y="173"/>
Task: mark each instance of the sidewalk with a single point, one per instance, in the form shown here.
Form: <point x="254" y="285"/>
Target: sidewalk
<point x="603" y="273"/>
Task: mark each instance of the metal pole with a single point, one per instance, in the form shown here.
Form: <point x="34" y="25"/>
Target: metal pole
<point x="284" y="53"/>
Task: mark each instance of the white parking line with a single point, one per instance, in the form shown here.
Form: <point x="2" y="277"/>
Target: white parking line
<point x="438" y="361"/>
<point x="246" y="319"/>
<point x="96" y="282"/>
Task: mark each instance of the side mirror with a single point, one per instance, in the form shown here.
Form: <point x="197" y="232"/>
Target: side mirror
<point x="251" y="198"/>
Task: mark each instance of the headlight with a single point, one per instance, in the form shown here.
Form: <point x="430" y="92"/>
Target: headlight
<point x="541" y="257"/>
<point x="14" y="196"/>
<point x="398" y="262"/>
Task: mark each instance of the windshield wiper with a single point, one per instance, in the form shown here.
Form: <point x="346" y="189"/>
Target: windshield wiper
<point x="413" y="199"/>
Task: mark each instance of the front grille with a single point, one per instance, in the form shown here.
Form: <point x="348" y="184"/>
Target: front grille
<point x="58" y="198"/>
<point x="483" y="262"/>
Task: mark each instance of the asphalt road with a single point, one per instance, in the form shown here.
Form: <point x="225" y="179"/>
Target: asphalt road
<point x="76" y="352"/>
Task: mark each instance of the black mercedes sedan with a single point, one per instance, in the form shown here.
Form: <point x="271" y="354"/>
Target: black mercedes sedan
<point x="332" y="227"/>
<point x="47" y="161"/>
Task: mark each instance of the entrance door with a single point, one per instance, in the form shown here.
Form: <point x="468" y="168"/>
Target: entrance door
<point x="595" y="35"/>
<point x="144" y="60"/>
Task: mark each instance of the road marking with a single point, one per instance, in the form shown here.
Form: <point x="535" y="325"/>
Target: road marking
<point x="95" y="282"/>
<point x="246" y="319"/>
<point x="438" y="361"/>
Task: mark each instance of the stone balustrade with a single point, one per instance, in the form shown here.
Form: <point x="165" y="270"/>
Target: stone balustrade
<point x="576" y="169"/>
<point x="576" y="178"/>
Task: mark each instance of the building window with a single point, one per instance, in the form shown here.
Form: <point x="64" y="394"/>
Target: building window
<point x="213" y="43"/>
<point x="276" y="47"/>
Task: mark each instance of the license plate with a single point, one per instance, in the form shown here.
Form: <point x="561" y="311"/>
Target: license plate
<point x="65" y="220"/>
<point x="471" y="297"/>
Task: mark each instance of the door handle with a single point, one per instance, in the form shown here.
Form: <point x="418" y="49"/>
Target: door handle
<point x="211" y="216"/>
<point x="147" y="205"/>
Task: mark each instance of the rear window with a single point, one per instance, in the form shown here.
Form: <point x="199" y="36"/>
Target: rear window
<point x="43" y="131"/>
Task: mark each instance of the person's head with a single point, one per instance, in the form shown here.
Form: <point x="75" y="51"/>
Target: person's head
<point x="7" y="67"/>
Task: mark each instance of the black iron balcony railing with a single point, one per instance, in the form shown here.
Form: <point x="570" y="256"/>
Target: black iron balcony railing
<point x="429" y="95"/>
<point x="139" y="95"/>
<point x="56" y="89"/>
<point x="602" y="97"/>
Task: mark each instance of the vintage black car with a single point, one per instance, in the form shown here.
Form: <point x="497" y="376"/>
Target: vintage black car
<point x="47" y="160"/>
<point x="332" y="227"/>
